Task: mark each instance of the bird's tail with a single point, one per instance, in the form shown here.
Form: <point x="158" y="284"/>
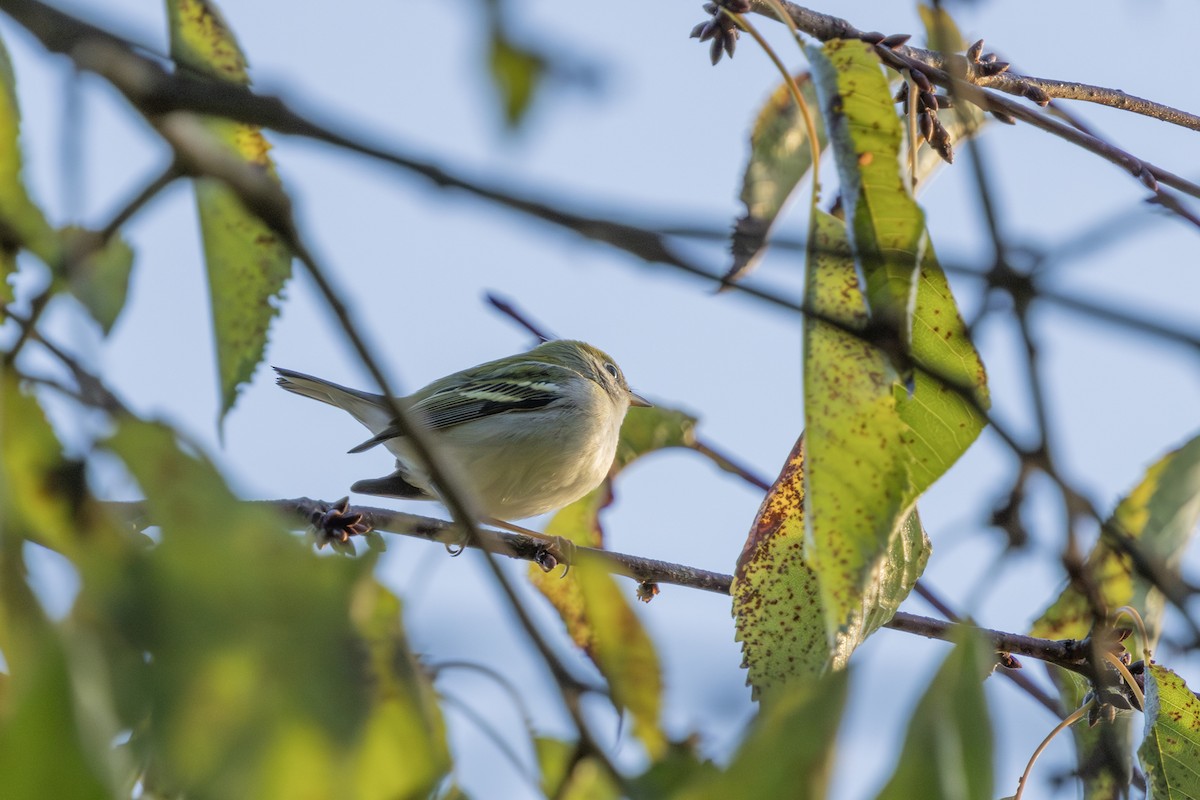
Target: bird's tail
<point x="369" y="409"/>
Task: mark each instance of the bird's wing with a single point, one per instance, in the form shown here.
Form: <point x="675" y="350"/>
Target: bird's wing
<point x="479" y="396"/>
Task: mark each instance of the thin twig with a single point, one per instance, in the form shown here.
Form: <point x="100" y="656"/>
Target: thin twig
<point x="827" y="26"/>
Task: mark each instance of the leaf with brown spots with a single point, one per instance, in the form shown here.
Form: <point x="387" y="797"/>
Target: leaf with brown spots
<point x="780" y="619"/>
<point x="1170" y="753"/>
<point x="777" y="606"/>
<point x="856" y="485"/>
<point x="247" y="263"/>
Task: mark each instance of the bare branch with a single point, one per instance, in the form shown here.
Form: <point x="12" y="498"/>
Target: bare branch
<point x="826" y="26"/>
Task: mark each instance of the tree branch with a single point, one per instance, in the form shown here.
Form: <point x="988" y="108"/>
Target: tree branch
<point x="1071" y="654"/>
<point x="826" y="26"/>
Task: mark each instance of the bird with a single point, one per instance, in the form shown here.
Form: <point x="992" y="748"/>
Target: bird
<point x="527" y="434"/>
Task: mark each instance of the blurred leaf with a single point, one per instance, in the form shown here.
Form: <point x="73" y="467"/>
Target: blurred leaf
<point x="789" y="749"/>
<point x="22" y="223"/>
<point x="43" y="497"/>
<point x="262" y="654"/>
<point x="1161" y="513"/>
<point x="516" y="72"/>
<point x="856" y="483"/>
<point x="589" y="781"/>
<point x="99" y="279"/>
<point x="887" y="226"/>
<point x="941" y="32"/>
<point x="780" y="157"/>
<point x="623" y="651"/>
<point x="555" y="758"/>
<point x="247" y="263"/>
<point x="948" y="750"/>
<point x="40" y="748"/>
<point x="678" y="768"/>
<point x="1170" y="752"/>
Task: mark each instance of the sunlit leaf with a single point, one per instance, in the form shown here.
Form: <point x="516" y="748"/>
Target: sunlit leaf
<point x="1170" y="752"/>
<point x="948" y="749"/>
<point x="98" y="279"/>
<point x="247" y="263"/>
<point x="887" y="228"/>
<point x="780" y="157"/>
<point x="949" y="391"/>
<point x="789" y="749"/>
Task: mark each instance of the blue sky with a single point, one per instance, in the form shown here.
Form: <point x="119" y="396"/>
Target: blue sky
<point x="663" y="138"/>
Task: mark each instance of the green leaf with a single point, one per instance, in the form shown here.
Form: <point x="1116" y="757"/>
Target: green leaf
<point x="887" y="226"/>
<point x="780" y="157"/>
<point x="1170" y="753"/>
<point x="247" y="263"/>
<point x="948" y="749"/>
<point x="942" y="423"/>
<point x="99" y="279"/>
<point x="22" y="223"/>
<point x="1161" y="514"/>
<point x="856" y="484"/>
<point x="262" y="655"/>
<point x="789" y="749"/>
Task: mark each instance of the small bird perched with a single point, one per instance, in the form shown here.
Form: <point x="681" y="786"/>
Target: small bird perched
<point x="529" y="433"/>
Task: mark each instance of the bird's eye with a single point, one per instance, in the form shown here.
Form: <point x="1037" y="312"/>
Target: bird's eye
<point x="612" y="369"/>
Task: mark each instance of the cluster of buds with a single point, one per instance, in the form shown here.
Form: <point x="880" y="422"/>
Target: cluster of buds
<point x="334" y="525"/>
<point x="928" y="103"/>
<point x="986" y="65"/>
<point x="720" y="27"/>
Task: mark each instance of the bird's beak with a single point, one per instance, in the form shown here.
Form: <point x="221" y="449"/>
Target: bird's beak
<point x="636" y="399"/>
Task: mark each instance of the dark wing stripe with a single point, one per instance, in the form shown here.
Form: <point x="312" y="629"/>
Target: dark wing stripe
<point x="447" y="409"/>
